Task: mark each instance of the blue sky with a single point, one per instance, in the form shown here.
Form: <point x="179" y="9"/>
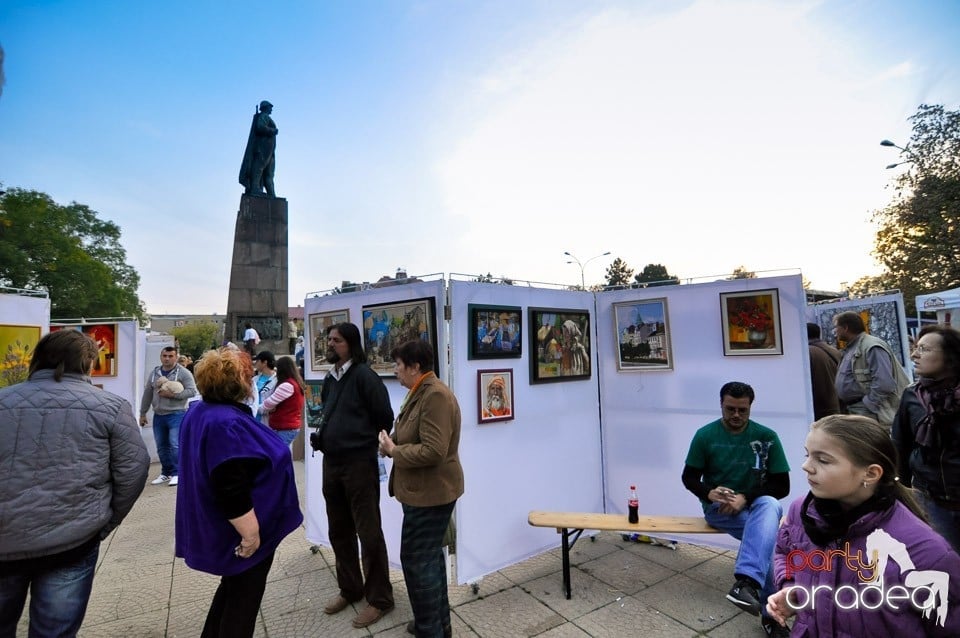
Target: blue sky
<point x="474" y="137"/>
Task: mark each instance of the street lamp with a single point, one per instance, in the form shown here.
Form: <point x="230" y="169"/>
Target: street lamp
<point x="902" y="150"/>
<point x="583" y="284"/>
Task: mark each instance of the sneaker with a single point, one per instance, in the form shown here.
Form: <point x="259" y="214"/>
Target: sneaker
<point x="173" y="481"/>
<point x="772" y="628"/>
<point x="163" y="478"/>
<point x="744" y="595"/>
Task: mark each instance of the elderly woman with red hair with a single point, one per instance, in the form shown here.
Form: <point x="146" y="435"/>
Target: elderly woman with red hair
<point x="427" y="479"/>
<point x="238" y="496"/>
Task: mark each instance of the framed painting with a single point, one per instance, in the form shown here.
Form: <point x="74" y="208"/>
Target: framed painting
<point x="313" y="403"/>
<point x="386" y="326"/>
<point x="562" y="341"/>
<point x="495" y="400"/>
<point x="751" y="323"/>
<point x="105" y="336"/>
<point x="495" y="332"/>
<point x="319" y="323"/>
<point x="643" y="335"/>
<point x="17" y="344"/>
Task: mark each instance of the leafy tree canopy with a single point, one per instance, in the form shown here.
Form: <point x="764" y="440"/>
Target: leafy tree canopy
<point x="618" y="273"/>
<point x="68" y="252"/>
<point x="918" y="241"/>
<point x="655" y="275"/>
<point x="197" y="338"/>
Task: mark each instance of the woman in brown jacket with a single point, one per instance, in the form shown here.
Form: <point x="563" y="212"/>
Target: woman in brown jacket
<point x="427" y="479"/>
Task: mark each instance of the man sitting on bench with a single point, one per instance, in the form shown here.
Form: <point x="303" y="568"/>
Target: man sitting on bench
<point x="736" y="467"/>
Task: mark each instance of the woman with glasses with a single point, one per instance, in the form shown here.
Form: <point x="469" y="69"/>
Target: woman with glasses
<point x="926" y="430"/>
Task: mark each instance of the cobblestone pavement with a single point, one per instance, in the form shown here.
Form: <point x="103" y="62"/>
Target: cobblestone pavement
<point x="619" y="589"/>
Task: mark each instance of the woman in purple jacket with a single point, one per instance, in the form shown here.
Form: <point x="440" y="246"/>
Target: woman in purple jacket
<point x="855" y="557"/>
<point x="237" y="497"/>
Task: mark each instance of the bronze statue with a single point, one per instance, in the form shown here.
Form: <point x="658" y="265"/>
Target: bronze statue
<point x="256" y="171"/>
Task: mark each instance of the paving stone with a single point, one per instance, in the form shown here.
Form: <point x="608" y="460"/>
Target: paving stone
<point x="689" y="602"/>
<point x="588" y="594"/>
<point x="716" y="572"/>
<point x="541" y="565"/>
<point x="626" y="571"/>
<point x="507" y="614"/>
<point x="629" y="617"/>
<point x="150" y="625"/>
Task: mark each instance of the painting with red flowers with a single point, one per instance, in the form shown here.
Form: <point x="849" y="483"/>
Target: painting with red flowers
<point x="751" y="322"/>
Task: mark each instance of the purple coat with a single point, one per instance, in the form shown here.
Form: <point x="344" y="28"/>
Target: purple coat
<point x="912" y="558"/>
<point x="210" y="434"/>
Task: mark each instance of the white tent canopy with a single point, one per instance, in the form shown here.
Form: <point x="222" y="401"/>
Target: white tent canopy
<point x="946" y="304"/>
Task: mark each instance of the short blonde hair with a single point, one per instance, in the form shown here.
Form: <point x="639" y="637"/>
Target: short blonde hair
<point x="224" y="375"/>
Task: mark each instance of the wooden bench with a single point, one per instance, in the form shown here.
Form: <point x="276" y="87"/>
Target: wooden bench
<point x="570" y="525"/>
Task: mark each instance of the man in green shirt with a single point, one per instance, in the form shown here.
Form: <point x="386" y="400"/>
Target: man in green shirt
<point x="736" y="467"/>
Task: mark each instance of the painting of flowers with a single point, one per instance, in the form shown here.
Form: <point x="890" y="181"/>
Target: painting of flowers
<point x="751" y="322"/>
<point x="16" y="348"/>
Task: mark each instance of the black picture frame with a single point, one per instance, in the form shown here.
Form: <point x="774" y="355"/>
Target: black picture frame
<point x="504" y="341"/>
<point x="385" y="326"/>
<point x="561" y="345"/>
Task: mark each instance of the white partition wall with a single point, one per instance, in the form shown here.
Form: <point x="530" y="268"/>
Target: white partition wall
<point x="547" y="457"/>
<point x="316" y="517"/>
<point x="650" y="416"/>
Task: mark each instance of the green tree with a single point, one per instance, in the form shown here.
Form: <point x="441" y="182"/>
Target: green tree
<point x="197" y="338"/>
<point x="918" y="241"/>
<point x="655" y="275"/>
<point x="741" y="272"/>
<point x="68" y="252"/>
<point x="618" y="273"/>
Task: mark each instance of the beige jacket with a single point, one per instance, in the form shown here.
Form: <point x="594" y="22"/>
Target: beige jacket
<point x="426" y="463"/>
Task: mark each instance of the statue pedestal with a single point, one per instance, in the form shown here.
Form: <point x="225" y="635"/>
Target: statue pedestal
<point x="258" y="276"/>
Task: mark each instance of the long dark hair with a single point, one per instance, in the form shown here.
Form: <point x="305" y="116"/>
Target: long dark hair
<point x="287" y="371"/>
<point x="866" y="442"/>
<point x="351" y="334"/>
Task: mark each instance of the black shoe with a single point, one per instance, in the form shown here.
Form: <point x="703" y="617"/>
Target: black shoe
<point x="774" y="629"/>
<point x="447" y="630"/>
<point x="744" y="595"/>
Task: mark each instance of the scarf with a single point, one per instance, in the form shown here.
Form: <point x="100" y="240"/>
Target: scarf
<point x="939" y="398"/>
<point x="413" y="389"/>
<point x="837" y="520"/>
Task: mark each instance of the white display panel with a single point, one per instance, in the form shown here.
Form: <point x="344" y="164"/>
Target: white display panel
<point x="391" y="512"/>
<point x="546" y="457"/>
<point x="649" y="417"/>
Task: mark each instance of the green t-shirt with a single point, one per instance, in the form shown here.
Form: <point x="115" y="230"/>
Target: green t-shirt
<point x="738" y="461"/>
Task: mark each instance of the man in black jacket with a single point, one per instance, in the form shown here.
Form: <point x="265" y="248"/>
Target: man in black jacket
<point x="356" y="407"/>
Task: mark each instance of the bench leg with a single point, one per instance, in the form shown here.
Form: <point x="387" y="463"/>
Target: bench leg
<point x="566" y="561"/>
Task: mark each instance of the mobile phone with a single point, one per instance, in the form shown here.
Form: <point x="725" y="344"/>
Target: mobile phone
<point x="726" y="490"/>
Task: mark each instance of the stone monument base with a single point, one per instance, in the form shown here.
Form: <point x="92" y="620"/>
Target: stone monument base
<point x="258" y="276"/>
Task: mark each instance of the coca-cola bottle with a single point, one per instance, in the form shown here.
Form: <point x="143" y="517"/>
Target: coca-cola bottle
<point x="633" y="506"/>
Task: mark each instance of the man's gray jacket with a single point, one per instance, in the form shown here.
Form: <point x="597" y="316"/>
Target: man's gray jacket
<point x="72" y="464"/>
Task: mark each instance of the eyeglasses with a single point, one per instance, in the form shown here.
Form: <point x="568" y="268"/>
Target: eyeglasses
<point x="733" y="410"/>
<point x="924" y="350"/>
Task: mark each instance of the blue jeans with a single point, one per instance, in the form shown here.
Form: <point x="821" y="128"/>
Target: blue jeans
<point x="287" y="435"/>
<point x="166" y="433"/>
<point x="58" y="596"/>
<point x="756" y="528"/>
<point x="943" y="521"/>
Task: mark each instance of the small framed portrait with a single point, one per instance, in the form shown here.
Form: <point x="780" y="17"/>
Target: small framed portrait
<point x="318" y="324"/>
<point x="386" y="326"/>
<point x="562" y="341"/>
<point x="643" y="335"/>
<point x="495" y="395"/>
<point x="496" y="332"/>
<point x="751" y="323"/>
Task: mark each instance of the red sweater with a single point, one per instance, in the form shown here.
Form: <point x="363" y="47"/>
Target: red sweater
<point x="288" y="414"/>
